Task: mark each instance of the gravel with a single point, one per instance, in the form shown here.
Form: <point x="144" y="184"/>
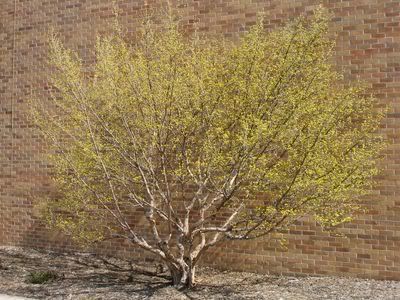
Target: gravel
<point x="87" y="276"/>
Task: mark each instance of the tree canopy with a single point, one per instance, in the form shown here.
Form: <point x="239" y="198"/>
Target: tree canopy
<point x="208" y="139"/>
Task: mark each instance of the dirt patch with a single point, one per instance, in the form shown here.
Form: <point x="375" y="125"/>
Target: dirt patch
<point x="87" y="276"/>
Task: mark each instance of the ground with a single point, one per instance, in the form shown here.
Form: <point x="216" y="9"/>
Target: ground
<point x="86" y="276"/>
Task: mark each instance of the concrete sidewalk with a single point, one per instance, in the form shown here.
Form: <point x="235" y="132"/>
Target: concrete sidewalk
<point x="7" y="297"/>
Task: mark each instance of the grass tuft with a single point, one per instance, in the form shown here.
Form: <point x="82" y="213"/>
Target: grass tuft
<point x="41" y="277"/>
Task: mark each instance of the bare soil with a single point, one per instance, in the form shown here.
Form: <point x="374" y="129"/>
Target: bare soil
<point x="87" y="276"/>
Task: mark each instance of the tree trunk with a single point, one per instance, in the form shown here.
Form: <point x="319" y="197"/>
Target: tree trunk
<point x="177" y="275"/>
<point x="190" y="277"/>
<point x="182" y="277"/>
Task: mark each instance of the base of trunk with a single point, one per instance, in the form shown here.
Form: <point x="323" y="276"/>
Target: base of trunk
<point x="182" y="278"/>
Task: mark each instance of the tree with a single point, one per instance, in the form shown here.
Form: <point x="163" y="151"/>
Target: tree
<point x="205" y="139"/>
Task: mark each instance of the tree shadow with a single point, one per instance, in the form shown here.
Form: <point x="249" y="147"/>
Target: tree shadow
<point x="77" y="274"/>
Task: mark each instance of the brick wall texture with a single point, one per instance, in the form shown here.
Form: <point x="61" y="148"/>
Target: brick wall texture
<point x="367" y="33"/>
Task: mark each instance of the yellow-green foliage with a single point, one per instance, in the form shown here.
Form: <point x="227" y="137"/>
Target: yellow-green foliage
<point x="170" y="117"/>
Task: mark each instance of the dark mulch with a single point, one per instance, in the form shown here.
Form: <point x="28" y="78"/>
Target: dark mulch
<point x="86" y="276"/>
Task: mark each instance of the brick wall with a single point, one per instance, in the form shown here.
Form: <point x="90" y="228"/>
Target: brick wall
<point x="368" y="48"/>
